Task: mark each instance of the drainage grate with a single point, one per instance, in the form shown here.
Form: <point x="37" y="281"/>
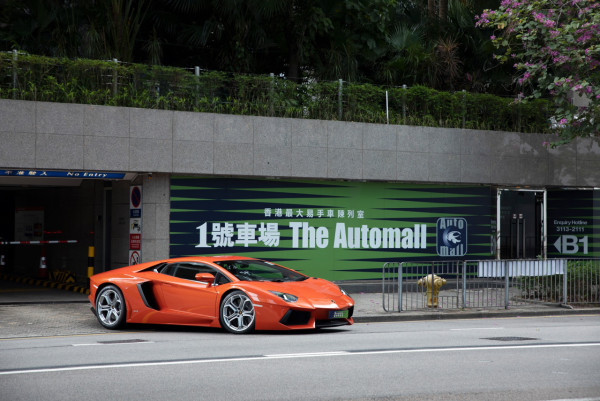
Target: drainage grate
<point x="123" y="341"/>
<point x="510" y="338"/>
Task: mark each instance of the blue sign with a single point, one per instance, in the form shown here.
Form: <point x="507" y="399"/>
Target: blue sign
<point x="451" y="236"/>
<point x="63" y="174"/>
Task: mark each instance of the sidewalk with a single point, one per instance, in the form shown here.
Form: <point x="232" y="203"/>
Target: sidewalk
<point x="369" y="308"/>
<point x="368" y="300"/>
<point x="368" y="304"/>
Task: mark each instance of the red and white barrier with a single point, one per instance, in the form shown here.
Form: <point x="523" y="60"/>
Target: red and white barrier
<point x="70" y="241"/>
<point x="43" y="268"/>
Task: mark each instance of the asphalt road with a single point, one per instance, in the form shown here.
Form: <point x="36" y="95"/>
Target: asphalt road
<point x="73" y="358"/>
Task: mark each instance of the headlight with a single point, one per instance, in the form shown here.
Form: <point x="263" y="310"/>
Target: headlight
<point x="286" y="297"/>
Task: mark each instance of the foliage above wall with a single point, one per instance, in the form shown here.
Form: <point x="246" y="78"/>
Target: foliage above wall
<point x="28" y="77"/>
<point x="553" y="46"/>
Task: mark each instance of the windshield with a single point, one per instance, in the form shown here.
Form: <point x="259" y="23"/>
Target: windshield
<point x="258" y="270"/>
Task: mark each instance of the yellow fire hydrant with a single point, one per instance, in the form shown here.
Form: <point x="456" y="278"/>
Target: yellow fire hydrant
<point x="433" y="284"/>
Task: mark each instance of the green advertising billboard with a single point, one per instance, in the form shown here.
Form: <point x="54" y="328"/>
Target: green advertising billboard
<point x="336" y="230"/>
<point x="574" y="223"/>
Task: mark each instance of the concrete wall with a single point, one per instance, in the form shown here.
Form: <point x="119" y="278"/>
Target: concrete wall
<point x="155" y="217"/>
<point x="85" y="137"/>
<point x="39" y="135"/>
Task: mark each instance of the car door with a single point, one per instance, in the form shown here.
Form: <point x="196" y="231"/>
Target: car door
<point x="187" y="300"/>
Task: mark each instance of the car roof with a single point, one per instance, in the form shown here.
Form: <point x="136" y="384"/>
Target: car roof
<point x="199" y="259"/>
<point x="207" y="258"/>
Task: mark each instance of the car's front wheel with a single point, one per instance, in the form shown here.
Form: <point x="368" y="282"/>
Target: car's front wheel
<point x="110" y="307"/>
<point x="237" y="313"/>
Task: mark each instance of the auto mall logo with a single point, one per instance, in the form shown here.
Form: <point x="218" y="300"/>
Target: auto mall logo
<point x="451" y="236"/>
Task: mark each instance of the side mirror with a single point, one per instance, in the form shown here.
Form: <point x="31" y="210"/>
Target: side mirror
<point x="207" y="278"/>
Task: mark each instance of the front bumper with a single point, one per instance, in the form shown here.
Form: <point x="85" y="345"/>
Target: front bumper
<point x="291" y="317"/>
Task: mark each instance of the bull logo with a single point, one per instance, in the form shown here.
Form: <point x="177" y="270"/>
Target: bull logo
<point x="451" y="236"/>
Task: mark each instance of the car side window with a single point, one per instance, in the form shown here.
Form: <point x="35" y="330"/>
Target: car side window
<point x="220" y="278"/>
<point x="187" y="271"/>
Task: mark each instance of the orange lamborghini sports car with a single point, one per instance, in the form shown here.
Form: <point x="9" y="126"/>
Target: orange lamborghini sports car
<point x="236" y="293"/>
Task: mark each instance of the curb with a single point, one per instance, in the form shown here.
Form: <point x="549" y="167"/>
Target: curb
<point x="474" y="315"/>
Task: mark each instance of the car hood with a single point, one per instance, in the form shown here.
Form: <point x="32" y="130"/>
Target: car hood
<point x="311" y="288"/>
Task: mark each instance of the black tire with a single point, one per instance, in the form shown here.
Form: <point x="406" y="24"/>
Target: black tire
<point x="236" y="313"/>
<point x="110" y="307"/>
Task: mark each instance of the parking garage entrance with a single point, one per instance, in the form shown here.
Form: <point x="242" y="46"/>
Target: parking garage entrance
<point x="56" y="218"/>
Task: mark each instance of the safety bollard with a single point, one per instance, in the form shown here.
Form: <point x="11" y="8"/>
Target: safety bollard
<point x="90" y="261"/>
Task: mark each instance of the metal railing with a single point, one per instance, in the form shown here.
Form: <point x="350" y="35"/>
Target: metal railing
<point x="489" y="283"/>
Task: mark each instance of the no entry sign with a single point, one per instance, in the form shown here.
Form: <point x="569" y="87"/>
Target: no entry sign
<point x="135" y="224"/>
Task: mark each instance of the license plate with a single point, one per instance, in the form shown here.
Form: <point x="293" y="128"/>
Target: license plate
<point x="338" y="314"/>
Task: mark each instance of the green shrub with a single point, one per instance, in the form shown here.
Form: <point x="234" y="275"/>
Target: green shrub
<point x="583" y="284"/>
<point x="583" y="281"/>
<point x="37" y="78"/>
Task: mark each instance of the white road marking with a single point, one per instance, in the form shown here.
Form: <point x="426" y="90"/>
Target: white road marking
<point x="479" y="328"/>
<point x="307" y="354"/>
<point x="288" y="356"/>
<point x="85" y="345"/>
<point x="114" y="343"/>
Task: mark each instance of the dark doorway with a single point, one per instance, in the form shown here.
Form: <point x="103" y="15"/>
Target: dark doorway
<point x="521" y="224"/>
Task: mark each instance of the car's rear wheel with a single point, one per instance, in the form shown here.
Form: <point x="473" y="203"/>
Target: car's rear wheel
<point x="110" y="307"/>
<point x="237" y="313"/>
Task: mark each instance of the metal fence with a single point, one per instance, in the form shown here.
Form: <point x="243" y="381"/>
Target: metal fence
<point x="489" y="283"/>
